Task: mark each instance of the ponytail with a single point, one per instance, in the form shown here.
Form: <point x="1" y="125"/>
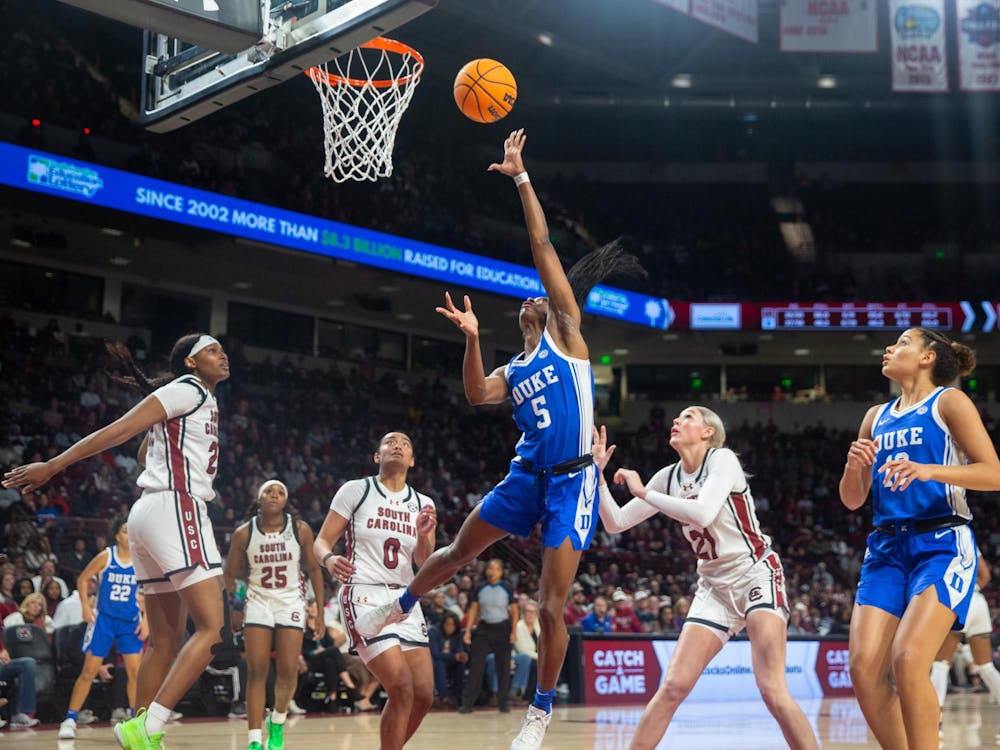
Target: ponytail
<point x="137" y="378"/>
<point x="613" y="259"/>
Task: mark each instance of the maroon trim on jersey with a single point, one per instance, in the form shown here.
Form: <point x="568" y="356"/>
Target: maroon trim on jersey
<point x="347" y="607"/>
<point x="742" y="510"/>
<point x="777" y="580"/>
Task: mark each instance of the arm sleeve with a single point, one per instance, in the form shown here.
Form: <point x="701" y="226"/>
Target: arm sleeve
<point x="621" y="518"/>
<point x="179" y="397"/>
<point x="725" y="475"/>
<point x="346" y="499"/>
<point x="617" y="519"/>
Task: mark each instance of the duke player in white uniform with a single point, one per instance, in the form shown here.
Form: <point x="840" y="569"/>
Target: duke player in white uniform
<point x="117" y="621"/>
<point x="552" y="479"/>
<point x="917" y="454"/>
<point x="173" y="547"/>
<point x="977" y="631"/>
<point x="387" y="527"/>
<point x="741" y="582"/>
<point x="275" y="549"/>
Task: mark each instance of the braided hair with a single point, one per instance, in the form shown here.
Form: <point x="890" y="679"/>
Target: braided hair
<point x="138" y="379"/>
<point x="613" y="259"/>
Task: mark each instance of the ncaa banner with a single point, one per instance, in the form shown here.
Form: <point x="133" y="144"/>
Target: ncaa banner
<point x="829" y="26"/>
<point x="736" y="17"/>
<point x="681" y="6"/>
<point x="978" y="30"/>
<point x="919" y="62"/>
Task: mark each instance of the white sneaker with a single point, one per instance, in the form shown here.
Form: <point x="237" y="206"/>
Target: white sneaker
<point x="176" y="716"/>
<point x="22" y="721"/>
<point x="119" y="715"/>
<point x="532" y="730"/>
<point x="371" y="622"/>
<point x="295" y="709"/>
<point x="86" y="716"/>
<point x="67" y="730"/>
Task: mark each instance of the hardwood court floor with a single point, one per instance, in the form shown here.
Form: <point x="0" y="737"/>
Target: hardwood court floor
<point x="970" y="721"/>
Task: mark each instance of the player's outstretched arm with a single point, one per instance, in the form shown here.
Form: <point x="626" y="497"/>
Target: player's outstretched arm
<point x="139" y="418"/>
<point x="547" y="263"/>
<point x="479" y="388"/>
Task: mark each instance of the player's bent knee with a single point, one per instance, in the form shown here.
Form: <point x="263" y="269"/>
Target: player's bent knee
<point x="673" y="692"/>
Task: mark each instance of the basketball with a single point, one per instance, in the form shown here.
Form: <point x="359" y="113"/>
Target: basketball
<point x="485" y="90"/>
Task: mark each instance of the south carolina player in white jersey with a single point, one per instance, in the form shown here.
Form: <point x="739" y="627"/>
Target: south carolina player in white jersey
<point x="388" y="527"/>
<point x="170" y="535"/>
<point x="552" y="480"/>
<point x="741" y="583"/>
<point x="274" y="549"/>
<point x="978" y="631"/>
<point x="915" y="456"/>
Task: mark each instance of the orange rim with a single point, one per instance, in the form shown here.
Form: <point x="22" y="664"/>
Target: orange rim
<point x="382" y="43"/>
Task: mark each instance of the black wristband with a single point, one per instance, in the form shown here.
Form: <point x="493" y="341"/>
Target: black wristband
<point x="326" y="557"/>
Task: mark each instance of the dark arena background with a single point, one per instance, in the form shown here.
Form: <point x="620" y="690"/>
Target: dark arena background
<point x="803" y="180"/>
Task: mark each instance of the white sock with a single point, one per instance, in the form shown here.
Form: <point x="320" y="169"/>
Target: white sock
<point x="254" y="736"/>
<point x="278" y="717"/>
<point x="939" y="679"/>
<point x="991" y="678"/>
<point x="157" y="716"/>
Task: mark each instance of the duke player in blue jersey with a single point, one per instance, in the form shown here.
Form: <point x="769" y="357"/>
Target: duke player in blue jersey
<point x="918" y="454"/>
<point x="117" y="621"/>
<point x="552" y="478"/>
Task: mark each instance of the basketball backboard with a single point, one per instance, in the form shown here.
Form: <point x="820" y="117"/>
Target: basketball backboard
<point x="183" y="82"/>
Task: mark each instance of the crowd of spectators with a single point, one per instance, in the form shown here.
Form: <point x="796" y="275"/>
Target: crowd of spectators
<point x="317" y="429"/>
<point x="721" y="241"/>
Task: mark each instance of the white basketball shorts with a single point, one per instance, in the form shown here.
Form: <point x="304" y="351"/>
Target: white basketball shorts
<point x="272" y="612"/>
<point x="977" y="622"/>
<point x="172" y="542"/>
<point x="724" y="609"/>
<point x="408" y="634"/>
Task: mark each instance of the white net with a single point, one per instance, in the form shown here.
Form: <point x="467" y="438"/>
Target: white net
<point x="364" y="94"/>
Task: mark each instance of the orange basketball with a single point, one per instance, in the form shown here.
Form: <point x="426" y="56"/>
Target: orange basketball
<point x="485" y="90"/>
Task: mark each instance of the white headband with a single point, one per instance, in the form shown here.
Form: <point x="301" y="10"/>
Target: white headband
<point x="269" y="483"/>
<point x="201" y="343"/>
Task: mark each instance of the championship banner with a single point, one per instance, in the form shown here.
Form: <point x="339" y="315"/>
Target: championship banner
<point x="681" y="6"/>
<point x="829" y="26"/>
<point x="919" y="62"/>
<point x="736" y="17"/>
<point x="978" y="32"/>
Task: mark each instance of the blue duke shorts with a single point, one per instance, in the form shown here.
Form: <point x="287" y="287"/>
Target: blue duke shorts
<point x="566" y="504"/>
<point x="106" y="631"/>
<point x="898" y="567"/>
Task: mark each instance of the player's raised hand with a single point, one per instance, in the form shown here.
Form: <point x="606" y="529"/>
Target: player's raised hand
<point x="28" y="477"/>
<point x="631" y="478"/>
<point x="426" y="520"/>
<point x="466" y="320"/>
<point x="861" y="454"/>
<point x="602" y="451"/>
<point x="900" y="473"/>
<point x="512" y="147"/>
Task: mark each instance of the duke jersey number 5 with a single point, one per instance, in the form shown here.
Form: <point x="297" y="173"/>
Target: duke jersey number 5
<point x="538" y="406"/>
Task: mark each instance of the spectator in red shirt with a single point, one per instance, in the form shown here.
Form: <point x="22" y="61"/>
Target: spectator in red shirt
<point x="576" y="607"/>
<point x="624" y="619"/>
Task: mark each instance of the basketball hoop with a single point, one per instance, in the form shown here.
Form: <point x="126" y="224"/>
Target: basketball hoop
<point x="363" y="99"/>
